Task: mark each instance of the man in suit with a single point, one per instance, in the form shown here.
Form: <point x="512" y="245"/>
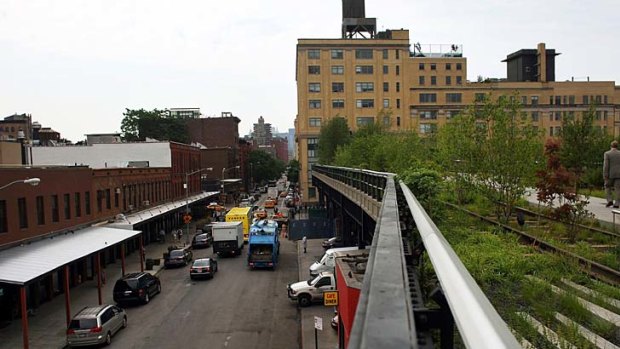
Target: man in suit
<point x="611" y="173"/>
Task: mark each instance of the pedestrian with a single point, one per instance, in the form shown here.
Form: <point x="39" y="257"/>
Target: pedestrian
<point x="304" y="242"/>
<point x="174" y="236"/>
<point x="611" y="174"/>
<point x="180" y="234"/>
<point x="162" y="236"/>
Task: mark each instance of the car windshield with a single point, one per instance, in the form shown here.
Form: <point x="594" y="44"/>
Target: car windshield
<point x="176" y="254"/>
<point x="124" y="285"/>
<point x="322" y="261"/>
<point x="201" y="263"/>
<point x="83" y="324"/>
<point x="314" y="280"/>
<point x="201" y="237"/>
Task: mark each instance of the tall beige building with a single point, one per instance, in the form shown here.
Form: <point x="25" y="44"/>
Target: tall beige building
<point x="370" y="77"/>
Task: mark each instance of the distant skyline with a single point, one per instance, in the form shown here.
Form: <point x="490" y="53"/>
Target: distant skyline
<point x="76" y="65"/>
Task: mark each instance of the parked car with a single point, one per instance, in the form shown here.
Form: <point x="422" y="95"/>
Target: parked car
<point x="332" y="243"/>
<point x="202" y="240"/>
<point x="178" y="257"/>
<point x="95" y="325"/>
<point x="203" y="268"/>
<point x="138" y="287"/>
<point x="307" y="292"/>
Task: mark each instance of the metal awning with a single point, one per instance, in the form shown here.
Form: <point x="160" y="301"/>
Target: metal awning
<point x="130" y="220"/>
<point x="24" y="263"/>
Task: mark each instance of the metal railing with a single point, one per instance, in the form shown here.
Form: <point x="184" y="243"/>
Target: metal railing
<point x="384" y="316"/>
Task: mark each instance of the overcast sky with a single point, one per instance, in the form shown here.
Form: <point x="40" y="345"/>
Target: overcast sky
<point x="75" y="65"/>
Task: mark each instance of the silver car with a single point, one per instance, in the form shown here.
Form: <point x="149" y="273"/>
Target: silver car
<point x="95" y="325"/>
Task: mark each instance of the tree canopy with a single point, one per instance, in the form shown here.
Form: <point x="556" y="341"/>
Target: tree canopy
<point x="333" y="134"/>
<point x="292" y="173"/>
<point x="264" y="166"/>
<point x="137" y="125"/>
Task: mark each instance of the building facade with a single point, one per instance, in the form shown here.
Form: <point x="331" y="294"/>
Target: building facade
<point x="380" y="80"/>
<point x="262" y="133"/>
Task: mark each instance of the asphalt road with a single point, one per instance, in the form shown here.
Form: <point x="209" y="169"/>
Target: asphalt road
<point x="238" y="308"/>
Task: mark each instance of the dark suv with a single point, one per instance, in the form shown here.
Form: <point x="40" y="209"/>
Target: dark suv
<point x="136" y="287"/>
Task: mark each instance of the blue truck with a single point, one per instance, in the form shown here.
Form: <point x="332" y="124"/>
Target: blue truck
<point x="264" y="244"/>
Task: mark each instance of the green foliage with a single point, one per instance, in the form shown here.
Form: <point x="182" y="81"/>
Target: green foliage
<point x="334" y="133"/>
<point x="137" y="125"/>
<point x="264" y="166"/>
<point x="293" y="171"/>
<point x="494" y="148"/>
<point x="426" y="185"/>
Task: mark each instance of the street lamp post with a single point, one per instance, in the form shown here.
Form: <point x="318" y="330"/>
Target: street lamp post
<point x="187" y="199"/>
<point x="32" y="181"/>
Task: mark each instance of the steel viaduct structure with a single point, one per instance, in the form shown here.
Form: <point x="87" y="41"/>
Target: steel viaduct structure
<point x="376" y="211"/>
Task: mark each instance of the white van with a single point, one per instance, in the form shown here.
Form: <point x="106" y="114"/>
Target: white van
<point x="328" y="261"/>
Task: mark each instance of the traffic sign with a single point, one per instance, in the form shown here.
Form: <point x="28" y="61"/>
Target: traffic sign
<point x="318" y="323"/>
<point x="330" y="298"/>
<point x="187" y="218"/>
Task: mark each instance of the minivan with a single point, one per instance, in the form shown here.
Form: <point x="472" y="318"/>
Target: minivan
<point x="95" y="325"/>
<point x="328" y="262"/>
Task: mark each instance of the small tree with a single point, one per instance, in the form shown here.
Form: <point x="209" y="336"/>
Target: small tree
<point x="333" y="134"/>
<point x="556" y="190"/>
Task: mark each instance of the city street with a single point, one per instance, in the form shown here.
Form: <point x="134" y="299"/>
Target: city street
<point x="238" y="308"/>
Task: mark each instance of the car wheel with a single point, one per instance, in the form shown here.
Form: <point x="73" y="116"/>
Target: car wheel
<point x="108" y="339"/>
<point x="304" y="300"/>
<point x="146" y="298"/>
<point x="124" y="321"/>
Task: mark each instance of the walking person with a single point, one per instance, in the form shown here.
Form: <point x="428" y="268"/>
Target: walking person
<point x="304" y="242"/>
<point x="611" y="174"/>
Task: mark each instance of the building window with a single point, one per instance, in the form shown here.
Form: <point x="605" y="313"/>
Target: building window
<point x="40" y="210"/>
<point x="55" y="209"/>
<point x="428" y="114"/>
<point x="364" y="87"/>
<point x="4" y="224"/>
<point x="535" y="116"/>
<point x="337" y="54"/>
<point x="313" y="140"/>
<point x="66" y="199"/>
<point x="398" y="70"/>
<point x="397" y="103"/>
<point x="338" y="103"/>
<point x="315" y="104"/>
<point x="428" y="128"/>
<point x="87" y="202"/>
<point x="448" y="80"/>
<point x="363" y="69"/>
<point x="480" y="97"/>
<point x="311" y="153"/>
<point x="451" y="114"/>
<point x="555" y="131"/>
<point x="77" y="203"/>
<point x="364" y="120"/>
<point x="315" y="122"/>
<point x="428" y="97"/>
<point x="421" y="80"/>
<point x="397" y="54"/>
<point x="398" y="87"/>
<point x="571" y="100"/>
<point x="459" y="80"/>
<point x="314" y="69"/>
<point x="100" y="200"/>
<point x="386" y="121"/>
<point x="108" y="202"/>
<point x="453" y="98"/>
<point x="585" y="99"/>
<point x="433" y="66"/>
<point x="386" y="87"/>
<point x="314" y="87"/>
<point x="433" y="80"/>
<point x="365" y="103"/>
<point x="385" y="69"/>
<point x="311" y="192"/>
<point x="398" y="121"/>
<point x="448" y="66"/>
<point x="363" y="53"/>
<point x="23" y="214"/>
<point x="604" y="99"/>
<point x="524" y="100"/>
<point x="421" y="66"/>
<point x="459" y="66"/>
<point x="385" y="53"/>
<point x="534" y="100"/>
<point x="337" y="69"/>
<point x="386" y="103"/>
<point x="558" y="100"/>
<point x="337" y="86"/>
<point x="314" y="54"/>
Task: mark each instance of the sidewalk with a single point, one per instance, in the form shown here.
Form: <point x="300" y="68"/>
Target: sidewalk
<point x="48" y="324"/>
<point x="328" y="338"/>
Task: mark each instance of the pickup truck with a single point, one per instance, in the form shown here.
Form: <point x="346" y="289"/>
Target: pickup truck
<point x="307" y="292"/>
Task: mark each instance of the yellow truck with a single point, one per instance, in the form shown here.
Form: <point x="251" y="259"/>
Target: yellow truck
<point x="244" y="215"/>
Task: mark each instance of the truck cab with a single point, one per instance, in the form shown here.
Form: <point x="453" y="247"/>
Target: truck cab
<point x="307" y="292"/>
